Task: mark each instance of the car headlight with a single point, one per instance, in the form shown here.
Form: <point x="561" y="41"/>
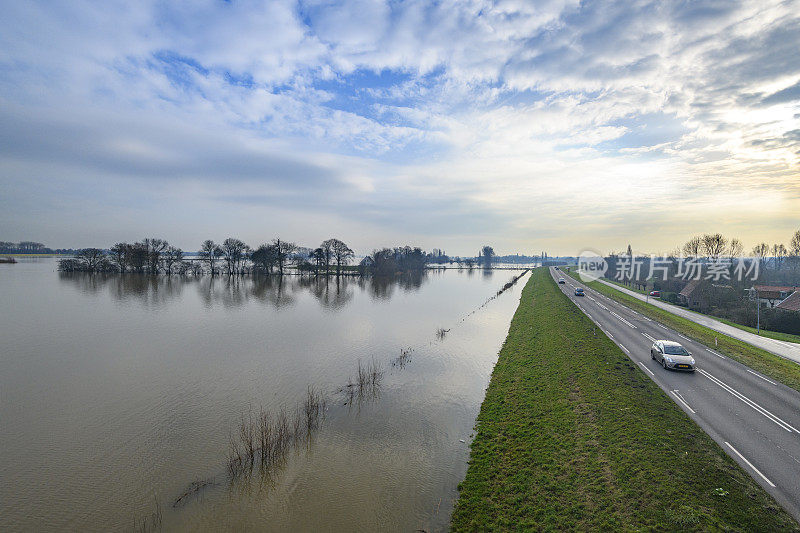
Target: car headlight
<point x="691" y="361"/>
<point x="669" y="359"/>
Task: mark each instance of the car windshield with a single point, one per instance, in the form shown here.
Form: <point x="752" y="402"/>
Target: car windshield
<point x="671" y="349"/>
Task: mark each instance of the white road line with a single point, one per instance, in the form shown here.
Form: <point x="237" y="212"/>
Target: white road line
<point x="760" y="376"/>
<point x="648" y="336"/>
<point x="680" y="399"/>
<point x="624" y="348"/>
<point x="715" y="353"/>
<point x="592" y="299"/>
<point x="623" y="320"/>
<point x="756" y="470"/>
<point x="662" y="326"/>
<point x="684" y="337"/>
<point x="774" y="418"/>
<point x="647" y="369"/>
<point x="609" y="334"/>
<point x="590" y="316"/>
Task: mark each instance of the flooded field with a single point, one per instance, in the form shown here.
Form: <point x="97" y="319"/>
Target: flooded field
<point x="275" y="404"/>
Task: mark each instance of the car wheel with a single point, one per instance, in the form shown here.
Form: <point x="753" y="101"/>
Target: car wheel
<point x="652" y="356"/>
<point x="664" y="363"/>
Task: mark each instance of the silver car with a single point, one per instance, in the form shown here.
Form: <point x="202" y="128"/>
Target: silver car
<point x="672" y="356"/>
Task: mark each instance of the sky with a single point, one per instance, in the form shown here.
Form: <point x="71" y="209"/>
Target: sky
<point x="550" y="125"/>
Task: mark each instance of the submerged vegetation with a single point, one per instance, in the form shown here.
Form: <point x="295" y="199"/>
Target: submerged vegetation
<point x="566" y="437"/>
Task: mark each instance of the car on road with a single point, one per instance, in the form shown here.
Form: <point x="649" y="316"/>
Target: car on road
<point x="672" y="356"/>
<point x="556" y="268"/>
<point x="656" y="294"/>
<point x="579" y="291"/>
<point x="561" y="281"/>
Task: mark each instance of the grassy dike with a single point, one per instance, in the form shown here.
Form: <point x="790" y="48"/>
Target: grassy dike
<point x="769" y="364"/>
<point x="571" y="435"/>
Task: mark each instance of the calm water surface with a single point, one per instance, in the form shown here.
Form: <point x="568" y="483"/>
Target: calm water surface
<point x="117" y="392"/>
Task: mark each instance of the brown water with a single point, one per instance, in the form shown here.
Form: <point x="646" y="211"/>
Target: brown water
<point x="117" y="392"/>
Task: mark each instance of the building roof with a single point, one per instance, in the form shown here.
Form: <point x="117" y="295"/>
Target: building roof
<point x="792" y="303"/>
<point x="773" y="292"/>
<point x="776" y="288"/>
<point x="690" y="288"/>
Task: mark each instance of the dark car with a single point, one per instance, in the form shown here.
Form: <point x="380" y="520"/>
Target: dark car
<point x="579" y="291"/>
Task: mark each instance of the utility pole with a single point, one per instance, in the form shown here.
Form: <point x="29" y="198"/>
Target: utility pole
<point x="758" y="313"/>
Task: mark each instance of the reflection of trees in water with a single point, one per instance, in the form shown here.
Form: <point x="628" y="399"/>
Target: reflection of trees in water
<point x="152" y="290"/>
<point x="382" y="287"/>
<point x="234" y="291"/>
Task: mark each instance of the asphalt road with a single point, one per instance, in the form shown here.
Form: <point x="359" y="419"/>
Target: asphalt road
<point x="753" y="418"/>
<point x="788" y="350"/>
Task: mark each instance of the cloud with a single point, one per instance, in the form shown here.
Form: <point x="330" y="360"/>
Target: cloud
<point x="436" y="123"/>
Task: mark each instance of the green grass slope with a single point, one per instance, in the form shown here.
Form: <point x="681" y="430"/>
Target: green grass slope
<point x="571" y="435"/>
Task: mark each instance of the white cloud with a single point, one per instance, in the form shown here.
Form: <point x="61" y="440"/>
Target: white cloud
<point x="518" y="115"/>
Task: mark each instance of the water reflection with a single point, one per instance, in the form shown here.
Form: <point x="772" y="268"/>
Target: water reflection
<point x="278" y="292"/>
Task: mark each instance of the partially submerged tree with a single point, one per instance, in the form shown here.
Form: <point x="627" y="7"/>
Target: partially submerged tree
<point x="235" y="252"/>
<point x="283" y="250"/>
<point x="210" y="252"/>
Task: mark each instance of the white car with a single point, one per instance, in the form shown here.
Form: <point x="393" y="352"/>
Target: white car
<point x="672" y="356"/>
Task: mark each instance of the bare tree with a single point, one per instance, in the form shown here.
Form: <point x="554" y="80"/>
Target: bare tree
<point x="342" y="253"/>
<point x="119" y="255"/>
<point x="92" y="259"/>
<point x="693" y="247"/>
<point x="171" y="257"/>
<point x="327" y="250"/>
<point x="264" y="257"/>
<point x="154" y="249"/>
<point x="794" y="244"/>
<point x="714" y="245"/>
<point x="234" y="252"/>
<point x="209" y="253"/>
<point x="318" y="256"/>
<point x="283" y="250"/>
<point x="761" y="251"/>
<point x="487" y="255"/>
<point x="735" y="248"/>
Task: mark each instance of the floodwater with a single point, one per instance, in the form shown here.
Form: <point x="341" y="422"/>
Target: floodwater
<point x="117" y="392"/>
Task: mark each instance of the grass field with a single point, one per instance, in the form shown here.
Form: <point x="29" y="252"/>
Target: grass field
<point x="571" y="435"/>
<point x="783" y="370"/>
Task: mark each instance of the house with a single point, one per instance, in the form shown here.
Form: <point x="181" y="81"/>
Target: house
<point x="771" y="295"/>
<point x="691" y="295"/>
<point x="791" y="303"/>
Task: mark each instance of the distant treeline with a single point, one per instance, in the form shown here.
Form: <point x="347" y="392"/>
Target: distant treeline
<point x="30" y="247"/>
<point x="234" y="257"/>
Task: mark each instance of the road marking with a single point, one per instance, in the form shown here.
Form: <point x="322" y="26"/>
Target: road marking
<point x="680" y="399"/>
<point x="592" y="299"/>
<point x="624" y="348"/>
<point x="609" y="334"/>
<point x="715" y="353"/>
<point x="603" y="306"/>
<point x="623" y="320"/>
<point x="684" y="337"/>
<point x="648" y="336"/>
<point x="646" y="318"/>
<point x="760" y="376"/>
<point x="756" y="470"/>
<point x="647" y="369"/>
<point x="779" y="421"/>
<point x="662" y="326"/>
<point x="590" y="316"/>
